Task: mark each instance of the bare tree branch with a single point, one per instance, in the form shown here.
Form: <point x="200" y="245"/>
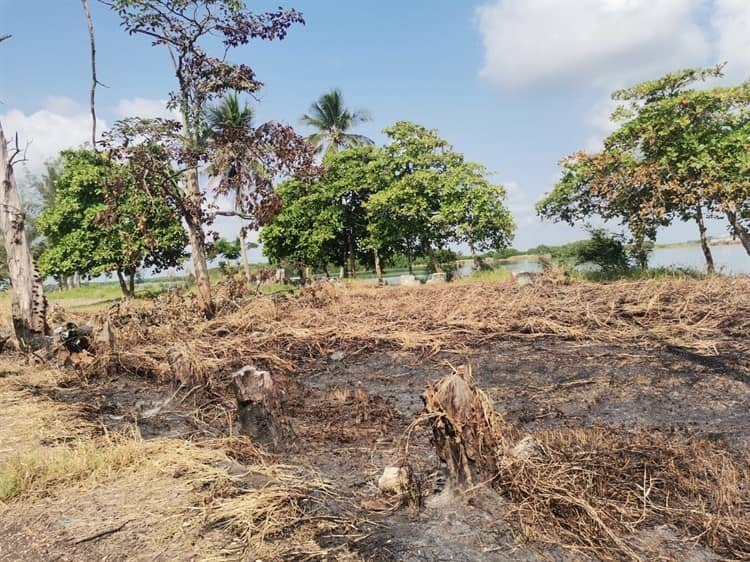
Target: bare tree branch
<point x="94" y="81"/>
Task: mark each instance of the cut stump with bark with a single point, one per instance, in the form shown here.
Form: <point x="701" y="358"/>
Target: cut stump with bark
<point x="258" y="405"/>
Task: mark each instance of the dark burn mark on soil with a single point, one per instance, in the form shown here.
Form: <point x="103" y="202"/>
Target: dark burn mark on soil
<point x="347" y="417"/>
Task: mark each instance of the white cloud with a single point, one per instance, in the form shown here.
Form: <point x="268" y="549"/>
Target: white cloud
<point x="606" y="43"/>
<point x="600" y="124"/>
<point x="520" y="205"/>
<point x="731" y="24"/>
<point x="61" y="123"/>
<point x="143" y="107"/>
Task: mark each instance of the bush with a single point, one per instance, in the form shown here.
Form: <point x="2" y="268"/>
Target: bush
<point x="603" y="249"/>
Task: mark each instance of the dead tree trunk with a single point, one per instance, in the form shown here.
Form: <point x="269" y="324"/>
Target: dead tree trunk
<point x="29" y="306"/>
<point x="466" y="429"/>
<point x="257" y="405"/>
<point x="94" y="81"/>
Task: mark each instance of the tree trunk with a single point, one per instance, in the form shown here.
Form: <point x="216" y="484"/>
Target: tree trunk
<point x="411" y="265"/>
<point x="474" y="258"/>
<point x="131" y="284"/>
<point x="434" y="265"/>
<point x="258" y="405"/>
<point x="123" y="284"/>
<point x="198" y="244"/>
<point x="350" y="255"/>
<point x="710" y="269"/>
<point x="29" y="306"/>
<point x="245" y="262"/>
<point x="739" y="230"/>
<point x="378" y="269"/>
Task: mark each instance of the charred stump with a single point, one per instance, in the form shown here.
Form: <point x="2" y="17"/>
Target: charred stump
<point x="258" y="405"/>
<point x="467" y="432"/>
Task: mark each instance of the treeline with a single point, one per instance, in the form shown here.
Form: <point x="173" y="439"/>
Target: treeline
<point x="413" y="197"/>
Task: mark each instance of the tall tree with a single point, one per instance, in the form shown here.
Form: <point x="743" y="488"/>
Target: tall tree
<point x="324" y="222"/>
<point x="186" y="28"/>
<point x="93" y="229"/>
<point x="29" y="306"/>
<point x="332" y="120"/>
<point x="476" y="209"/>
<point x="226" y="115"/>
<point x="680" y="152"/>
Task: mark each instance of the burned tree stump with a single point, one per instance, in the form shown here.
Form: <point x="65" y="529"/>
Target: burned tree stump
<point x="467" y="432"/>
<point x="258" y="404"/>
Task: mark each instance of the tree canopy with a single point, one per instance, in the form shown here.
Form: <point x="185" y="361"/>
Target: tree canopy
<point x="414" y="195"/>
<point x="679" y="152"/>
<point x="91" y="230"/>
<point x="332" y="122"/>
<point x="199" y="35"/>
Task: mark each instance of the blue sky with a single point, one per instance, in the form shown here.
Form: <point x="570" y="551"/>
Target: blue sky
<point x="513" y="84"/>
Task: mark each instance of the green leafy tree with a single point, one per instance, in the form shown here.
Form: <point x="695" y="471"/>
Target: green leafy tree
<point x="680" y="152"/>
<point x="432" y="197"/>
<point x="91" y="230"/>
<point x="332" y="122"/>
<point x="477" y="210"/>
<point x="324" y="222"/>
<point x="605" y="250"/>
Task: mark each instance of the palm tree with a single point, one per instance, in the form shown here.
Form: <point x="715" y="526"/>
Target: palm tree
<point x="229" y="114"/>
<point x="333" y="121"/>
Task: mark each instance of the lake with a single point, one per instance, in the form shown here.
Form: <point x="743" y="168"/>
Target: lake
<point x="729" y="259"/>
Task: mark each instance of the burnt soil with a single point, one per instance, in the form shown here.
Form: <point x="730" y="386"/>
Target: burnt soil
<point x="346" y="415"/>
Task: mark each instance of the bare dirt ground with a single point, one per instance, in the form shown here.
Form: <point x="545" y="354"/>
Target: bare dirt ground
<point x="346" y="413"/>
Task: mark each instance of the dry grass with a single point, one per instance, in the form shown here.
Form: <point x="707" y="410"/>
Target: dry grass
<point x="163" y="338"/>
<point x="259" y="510"/>
<point x="593" y="490"/>
<point x="220" y="499"/>
<point x="29" y="421"/>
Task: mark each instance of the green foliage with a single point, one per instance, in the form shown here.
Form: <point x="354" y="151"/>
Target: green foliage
<point x="432" y="197"/>
<point x="604" y="250"/>
<point x="323" y="221"/>
<point x="225" y="248"/>
<point x="679" y="152"/>
<point x="86" y="235"/>
<point x="412" y="197"/>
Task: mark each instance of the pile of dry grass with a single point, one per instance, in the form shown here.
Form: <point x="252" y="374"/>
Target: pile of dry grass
<point x="165" y="338"/>
<point x="593" y="490"/>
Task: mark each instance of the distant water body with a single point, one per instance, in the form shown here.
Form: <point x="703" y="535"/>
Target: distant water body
<point x="730" y="259"/>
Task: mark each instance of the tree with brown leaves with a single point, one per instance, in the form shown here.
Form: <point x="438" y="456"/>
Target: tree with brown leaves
<point x="185" y="28"/>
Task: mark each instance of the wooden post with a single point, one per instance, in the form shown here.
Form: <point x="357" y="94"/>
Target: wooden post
<point x="258" y="402"/>
<point x="29" y="306"/>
